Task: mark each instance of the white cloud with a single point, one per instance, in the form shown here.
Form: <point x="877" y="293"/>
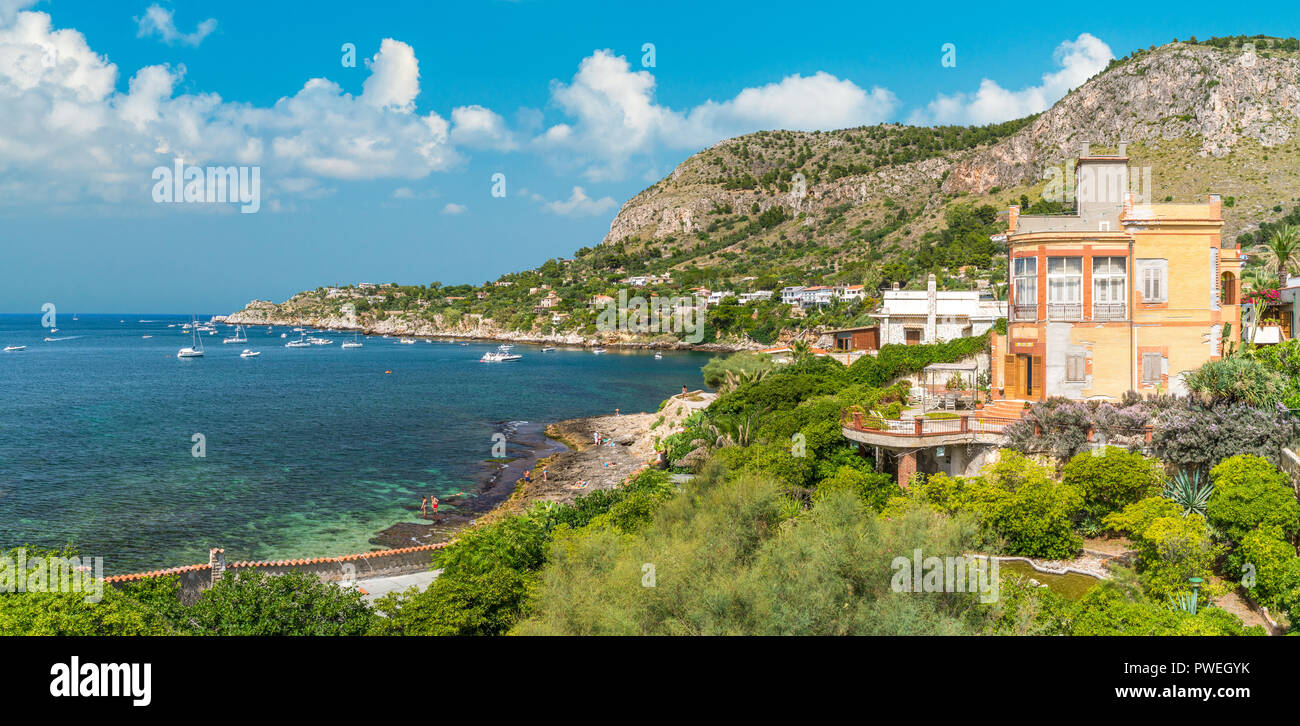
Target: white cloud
<point x="579" y="204"/>
<point x="409" y="193"/>
<point x="615" y="116"/>
<point x="1079" y="60"/>
<point x="160" y="22"/>
<point x="394" y="80"/>
<point x="480" y="128"/>
<point x="68" y="135"/>
<point x="453" y="208"/>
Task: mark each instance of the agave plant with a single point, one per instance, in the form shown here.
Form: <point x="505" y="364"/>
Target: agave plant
<point x="1189" y="492"/>
<point x="1184" y="601"/>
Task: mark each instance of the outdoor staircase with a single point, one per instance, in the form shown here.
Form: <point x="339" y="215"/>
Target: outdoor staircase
<point x="1005" y="408"/>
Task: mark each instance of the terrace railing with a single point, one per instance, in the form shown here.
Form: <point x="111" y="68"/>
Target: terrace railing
<point x="913" y="427"/>
<point x="1065" y="311"/>
<point x="1024" y="312"/>
<point x="1109" y="311"/>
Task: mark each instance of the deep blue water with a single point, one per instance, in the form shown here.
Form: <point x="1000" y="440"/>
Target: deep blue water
<point x="308" y="451"/>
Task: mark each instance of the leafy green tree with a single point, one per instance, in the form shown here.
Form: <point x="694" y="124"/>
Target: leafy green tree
<point x="1248" y="493"/>
<point x="1018" y="501"/>
<point x="1111" y="479"/>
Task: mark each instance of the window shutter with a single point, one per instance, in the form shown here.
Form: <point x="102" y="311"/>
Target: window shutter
<point x="1037" y="378"/>
<point x="1011" y="375"/>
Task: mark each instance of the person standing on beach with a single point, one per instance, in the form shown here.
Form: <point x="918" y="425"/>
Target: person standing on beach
<point x="545" y="473"/>
<point x="683" y="390"/>
<point x="616" y="412"/>
<point x="528" y="476"/>
<point x="424" y="506"/>
<point x="595" y="437"/>
<point x="434" y="500"/>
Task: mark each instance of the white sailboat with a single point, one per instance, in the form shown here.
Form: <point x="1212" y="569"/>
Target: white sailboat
<point x="239" y="337"/>
<point x="195" y="350"/>
<point x="354" y="343"/>
<point x="301" y="342"/>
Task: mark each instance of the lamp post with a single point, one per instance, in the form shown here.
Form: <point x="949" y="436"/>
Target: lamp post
<point x="1196" y="590"/>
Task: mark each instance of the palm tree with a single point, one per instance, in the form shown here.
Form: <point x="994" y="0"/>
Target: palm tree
<point x="800" y="349"/>
<point x="1281" y="253"/>
<point x="1255" y="279"/>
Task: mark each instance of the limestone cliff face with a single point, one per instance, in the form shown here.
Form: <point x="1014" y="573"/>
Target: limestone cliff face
<point x="1202" y="102"/>
<point x="1215" y="98"/>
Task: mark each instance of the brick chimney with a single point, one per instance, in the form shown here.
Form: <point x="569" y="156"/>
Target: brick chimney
<point x="1013" y="218"/>
<point x="217" y="561"/>
<point x="1085" y="148"/>
<point x="1216" y="206"/>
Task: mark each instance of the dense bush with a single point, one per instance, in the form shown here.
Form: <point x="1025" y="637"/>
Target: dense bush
<point x="1197" y="437"/>
<point x="1270" y="570"/>
<point x="733" y="557"/>
<point x="1112" y="478"/>
<point x="1117" y="608"/>
<point x="1236" y="379"/>
<point x="894" y="361"/>
<point x="1018" y="501"/>
<point x="295" y="603"/>
<point x="1248" y="493"/>
<point x="1171" y="547"/>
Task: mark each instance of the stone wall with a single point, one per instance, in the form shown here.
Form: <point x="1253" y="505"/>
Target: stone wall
<point x="195" y="579"/>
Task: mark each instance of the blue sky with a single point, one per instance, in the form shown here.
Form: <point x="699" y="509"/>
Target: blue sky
<point x="383" y="171"/>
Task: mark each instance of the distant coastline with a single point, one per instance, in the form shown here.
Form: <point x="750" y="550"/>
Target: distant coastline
<point x="395" y="326"/>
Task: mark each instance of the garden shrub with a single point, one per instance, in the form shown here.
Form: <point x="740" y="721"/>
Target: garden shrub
<point x="1248" y="493"/>
<point x="1111" y="479"/>
<point x="1270" y="569"/>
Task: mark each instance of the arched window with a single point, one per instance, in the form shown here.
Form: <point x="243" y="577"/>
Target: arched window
<point x="1228" y="288"/>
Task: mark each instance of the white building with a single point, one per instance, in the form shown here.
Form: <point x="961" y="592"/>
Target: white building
<point x="816" y="295"/>
<point x="749" y="297"/>
<point x="790" y="295"/>
<point x="850" y="292"/>
<point x="929" y="316"/>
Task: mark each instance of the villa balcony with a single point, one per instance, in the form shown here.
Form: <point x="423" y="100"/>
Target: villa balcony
<point x="1109" y="311"/>
<point x="1064" y="311"/>
<point x="867" y="429"/>
<point x="1024" y="312"/>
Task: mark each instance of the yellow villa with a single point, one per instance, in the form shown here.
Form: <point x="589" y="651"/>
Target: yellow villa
<point x="1118" y="295"/>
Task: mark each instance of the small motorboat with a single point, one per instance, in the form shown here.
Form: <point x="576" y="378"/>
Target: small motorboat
<point x="659" y="356"/>
<point x="407" y="341"/>
<point x="145" y="337"/>
<point x="548" y="349"/>
<point x="14" y="348"/>
<point x="499" y="357"/>
<point x="248" y="353"/>
<point x="598" y="351"/>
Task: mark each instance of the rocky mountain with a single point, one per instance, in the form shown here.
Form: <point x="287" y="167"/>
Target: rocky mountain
<point x="880" y="204"/>
<point x="1203" y="118"/>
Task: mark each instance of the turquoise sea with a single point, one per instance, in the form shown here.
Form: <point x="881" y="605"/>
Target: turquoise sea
<point x="308" y="451"/>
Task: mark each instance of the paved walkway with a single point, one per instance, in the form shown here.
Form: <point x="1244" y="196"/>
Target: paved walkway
<point x="377" y="587"/>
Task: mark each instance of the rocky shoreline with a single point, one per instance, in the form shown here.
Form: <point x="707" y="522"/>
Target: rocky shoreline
<point x="575" y="465"/>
